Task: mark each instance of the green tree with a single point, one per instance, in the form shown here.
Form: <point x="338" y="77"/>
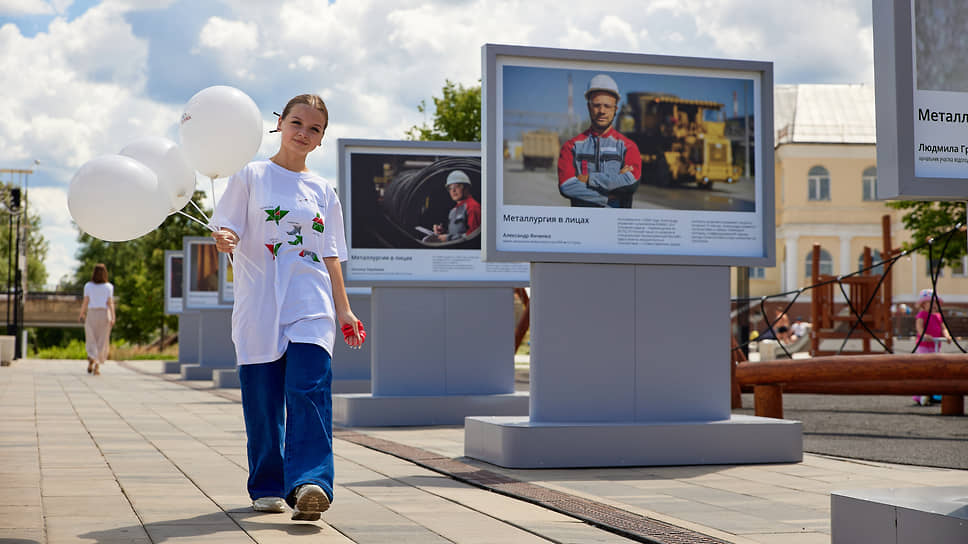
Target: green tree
<point x="36" y="246"/>
<point x="137" y="268"/>
<point x="457" y="115"/>
<point x="926" y="220"/>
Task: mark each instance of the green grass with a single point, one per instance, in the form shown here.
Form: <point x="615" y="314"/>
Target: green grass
<point x="119" y="352"/>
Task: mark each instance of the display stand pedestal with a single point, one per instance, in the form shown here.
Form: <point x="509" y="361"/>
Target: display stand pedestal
<point x="899" y="516"/>
<point x="351" y="367"/>
<point x="215" y="351"/>
<point x="630" y="366"/>
<point x="187" y="342"/>
<point x="439" y="354"/>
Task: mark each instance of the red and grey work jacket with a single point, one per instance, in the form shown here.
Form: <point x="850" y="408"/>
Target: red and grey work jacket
<point x="601" y="158"/>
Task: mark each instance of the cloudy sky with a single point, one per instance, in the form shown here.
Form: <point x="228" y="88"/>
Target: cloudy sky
<point x="83" y="78"/>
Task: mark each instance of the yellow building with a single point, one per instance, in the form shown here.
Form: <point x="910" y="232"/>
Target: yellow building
<point x="825" y="185"/>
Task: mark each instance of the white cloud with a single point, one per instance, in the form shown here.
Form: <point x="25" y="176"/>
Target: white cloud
<point x="26" y="7"/>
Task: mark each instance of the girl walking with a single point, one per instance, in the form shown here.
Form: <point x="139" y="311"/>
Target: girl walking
<point x="284" y="226"/>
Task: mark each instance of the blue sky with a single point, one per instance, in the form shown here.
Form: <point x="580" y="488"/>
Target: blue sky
<point x="85" y="78"/>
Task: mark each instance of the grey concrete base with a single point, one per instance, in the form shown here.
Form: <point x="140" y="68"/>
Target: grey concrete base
<point x="938" y="515"/>
<point x="516" y="442"/>
<point x="172" y="367"/>
<point x="226" y="378"/>
<point x="350" y="386"/>
<point x="367" y="410"/>
<point x="196" y="372"/>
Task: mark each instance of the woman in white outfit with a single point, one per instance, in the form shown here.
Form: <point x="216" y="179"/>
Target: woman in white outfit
<point x="97" y="313"/>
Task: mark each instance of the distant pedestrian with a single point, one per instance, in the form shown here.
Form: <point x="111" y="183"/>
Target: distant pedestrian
<point x="97" y="314"/>
<point x="930" y="329"/>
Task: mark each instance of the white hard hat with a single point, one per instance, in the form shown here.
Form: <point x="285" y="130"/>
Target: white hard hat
<point x="602" y="82"/>
<point x="455" y="177"/>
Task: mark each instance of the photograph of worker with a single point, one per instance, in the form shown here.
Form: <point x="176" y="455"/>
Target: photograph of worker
<point x="609" y="139"/>
<point x="413" y="214"/>
<point x="416" y="201"/>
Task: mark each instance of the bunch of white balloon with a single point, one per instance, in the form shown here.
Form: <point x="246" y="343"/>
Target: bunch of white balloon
<point x="124" y="196"/>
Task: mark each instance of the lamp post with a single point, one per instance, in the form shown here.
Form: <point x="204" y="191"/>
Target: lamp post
<point x="16" y="206"/>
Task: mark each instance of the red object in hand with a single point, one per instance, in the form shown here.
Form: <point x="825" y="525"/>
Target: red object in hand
<point x="348" y="332"/>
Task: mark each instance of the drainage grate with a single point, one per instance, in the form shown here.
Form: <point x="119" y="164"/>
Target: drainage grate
<point x="603" y="516"/>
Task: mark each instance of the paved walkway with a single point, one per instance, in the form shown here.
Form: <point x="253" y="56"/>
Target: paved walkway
<point x="137" y="456"/>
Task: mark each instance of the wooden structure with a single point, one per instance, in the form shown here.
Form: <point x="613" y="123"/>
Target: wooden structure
<point x="883" y="374"/>
<point x="870" y="299"/>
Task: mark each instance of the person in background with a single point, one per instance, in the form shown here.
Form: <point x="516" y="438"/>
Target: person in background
<point x="97" y="314"/>
<point x="284" y="226"/>
<point x="930" y="330"/>
<point x="600" y="167"/>
<point x="465" y="217"/>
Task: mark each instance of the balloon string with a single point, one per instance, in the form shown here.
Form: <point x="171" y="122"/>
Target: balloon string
<point x="206" y="225"/>
<point x="207" y="218"/>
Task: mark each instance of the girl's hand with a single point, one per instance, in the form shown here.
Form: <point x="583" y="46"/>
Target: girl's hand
<point x="225" y="240"/>
<point x="353" y="332"/>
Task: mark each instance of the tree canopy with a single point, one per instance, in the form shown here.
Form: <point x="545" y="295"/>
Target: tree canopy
<point x="137" y="268"/>
<point x="926" y="220"/>
<point x="456" y="116"/>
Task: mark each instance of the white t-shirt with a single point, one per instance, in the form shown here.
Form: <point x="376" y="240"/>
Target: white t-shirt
<point x="287" y="223"/>
<point x="98" y="294"/>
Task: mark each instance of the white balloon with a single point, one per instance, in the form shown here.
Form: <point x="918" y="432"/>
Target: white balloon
<point x="221" y="130"/>
<point x="175" y="176"/>
<point x="116" y="198"/>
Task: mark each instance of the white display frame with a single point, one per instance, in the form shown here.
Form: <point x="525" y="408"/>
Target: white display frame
<point x="197" y="299"/>
<point x="918" y="158"/>
<point x="173" y="304"/>
<point x="565" y="241"/>
<point x="414" y="267"/>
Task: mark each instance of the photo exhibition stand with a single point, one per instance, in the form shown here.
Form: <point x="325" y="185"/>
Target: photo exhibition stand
<point x="439" y="354"/>
<point x="630" y="366"/>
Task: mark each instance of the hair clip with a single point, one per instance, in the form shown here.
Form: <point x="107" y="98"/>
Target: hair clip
<point x="275" y="130"/>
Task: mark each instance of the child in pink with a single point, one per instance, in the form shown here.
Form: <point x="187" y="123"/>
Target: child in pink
<point x="930" y="330"/>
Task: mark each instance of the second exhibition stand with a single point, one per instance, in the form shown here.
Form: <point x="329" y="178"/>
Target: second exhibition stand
<point x="630" y="366"/>
<point x="438" y="355"/>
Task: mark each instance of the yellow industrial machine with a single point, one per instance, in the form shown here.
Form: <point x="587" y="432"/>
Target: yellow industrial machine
<point x="681" y="140"/>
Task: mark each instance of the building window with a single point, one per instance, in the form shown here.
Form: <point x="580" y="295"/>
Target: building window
<point x="959" y="268"/>
<point x="757" y="273"/>
<point x="870" y="183"/>
<point x="875" y="258"/>
<point x="934" y="265"/>
<point x="818" y="184"/>
<point x="826" y="263"/>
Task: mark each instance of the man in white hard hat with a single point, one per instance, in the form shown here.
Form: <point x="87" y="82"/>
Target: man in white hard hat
<point x="600" y="167"/>
<point x="465" y="216"/>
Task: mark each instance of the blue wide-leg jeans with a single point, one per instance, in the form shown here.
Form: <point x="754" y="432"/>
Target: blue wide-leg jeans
<point x="287" y="406"/>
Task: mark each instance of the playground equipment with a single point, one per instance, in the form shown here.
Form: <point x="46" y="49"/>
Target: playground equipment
<point x="866" y="315"/>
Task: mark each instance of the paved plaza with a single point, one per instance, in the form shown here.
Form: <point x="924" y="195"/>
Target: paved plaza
<point x="138" y="456"/>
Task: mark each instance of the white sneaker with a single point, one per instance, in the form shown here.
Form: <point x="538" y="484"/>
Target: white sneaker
<point x="275" y="505"/>
<point x="311" y="500"/>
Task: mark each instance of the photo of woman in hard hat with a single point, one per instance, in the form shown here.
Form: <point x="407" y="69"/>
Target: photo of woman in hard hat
<point x="464" y="219"/>
<point x="412" y="201"/>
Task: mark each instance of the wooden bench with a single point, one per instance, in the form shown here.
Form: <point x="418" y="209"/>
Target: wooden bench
<point x="879" y="374"/>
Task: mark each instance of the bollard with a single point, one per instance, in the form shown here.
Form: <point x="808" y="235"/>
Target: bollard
<point x="952" y="405"/>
